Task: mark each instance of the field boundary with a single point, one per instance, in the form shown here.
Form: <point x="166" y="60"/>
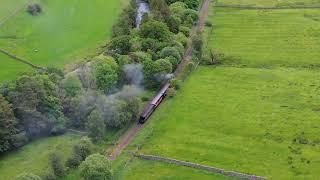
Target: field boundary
<point x="265" y="8"/>
<point x="21" y="60"/>
<point x="199" y="166"/>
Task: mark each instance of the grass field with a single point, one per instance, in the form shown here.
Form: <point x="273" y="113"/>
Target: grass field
<point x="9" y="6"/>
<point x="258" y="113"/>
<point x="269" y="3"/>
<point x="264" y="38"/>
<point x="250" y="120"/>
<point x="65" y="32"/>
<point x="33" y="158"/>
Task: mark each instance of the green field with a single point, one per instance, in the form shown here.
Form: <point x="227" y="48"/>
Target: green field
<point x="264" y="38"/>
<point x="33" y="158"/>
<point x="269" y="3"/>
<point x="257" y="113"/>
<point x="66" y="31"/>
<point x="8" y="7"/>
<point x="257" y="121"/>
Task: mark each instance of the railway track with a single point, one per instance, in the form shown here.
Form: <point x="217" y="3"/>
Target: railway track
<point x="129" y="135"/>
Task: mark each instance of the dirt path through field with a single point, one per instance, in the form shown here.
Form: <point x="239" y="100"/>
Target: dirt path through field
<point x="128" y="136"/>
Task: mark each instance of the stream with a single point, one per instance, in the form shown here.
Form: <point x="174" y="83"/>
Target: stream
<point x="143" y="7"/>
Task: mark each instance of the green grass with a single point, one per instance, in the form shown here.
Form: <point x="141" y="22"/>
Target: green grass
<point x="66" y="31"/>
<point x="258" y="38"/>
<point x="269" y="3"/>
<point x="8" y="7"/>
<point x="33" y="158"/>
<point x="242" y="119"/>
<point x="142" y="169"/>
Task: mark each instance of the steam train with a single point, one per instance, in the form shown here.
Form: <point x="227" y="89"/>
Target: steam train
<point x="151" y="107"/>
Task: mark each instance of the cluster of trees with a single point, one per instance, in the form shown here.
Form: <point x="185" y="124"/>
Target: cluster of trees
<point x="160" y="41"/>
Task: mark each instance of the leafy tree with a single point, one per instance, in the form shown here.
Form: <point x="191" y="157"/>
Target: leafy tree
<point x="170" y="52"/>
<point x="160" y="10"/>
<point x="56" y="164"/>
<point x="27" y="176"/>
<point x="163" y="66"/>
<point x="106" y="73"/>
<point x="7" y="125"/>
<point x="72" y="85"/>
<point x="192" y="4"/>
<point x="80" y="151"/>
<point x="120" y="45"/>
<point x="181" y="38"/>
<point x="120" y="117"/>
<point x="96" y="126"/>
<point x="155" y="30"/>
<point x="96" y="167"/>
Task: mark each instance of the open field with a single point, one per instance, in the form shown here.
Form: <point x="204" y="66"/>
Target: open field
<point x="269" y="3"/>
<point x="65" y="32"/>
<point x="33" y="158"/>
<point x="264" y="38"/>
<point x="8" y="7"/>
<point x="256" y="121"/>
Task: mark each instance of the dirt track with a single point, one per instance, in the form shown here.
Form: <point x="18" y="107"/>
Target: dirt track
<point x="128" y="136"/>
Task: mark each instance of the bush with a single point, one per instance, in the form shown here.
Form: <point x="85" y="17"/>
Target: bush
<point x="175" y="83"/>
<point x="96" y="167"/>
<point x="181" y="38"/>
<point x="80" y="151"/>
<point x="170" y="52"/>
<point x="96" y="126"/>
<point x="171" y="92"/>
<point x="56" y="164"/>
<point x="185" y="30"/>
<point x="27" y="176"/>
<point x="34" y="9"/>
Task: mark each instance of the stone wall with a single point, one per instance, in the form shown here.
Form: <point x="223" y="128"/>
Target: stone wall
<point x="202" y="167"/>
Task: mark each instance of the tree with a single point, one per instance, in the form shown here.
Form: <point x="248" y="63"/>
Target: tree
<point x="96" y="167"/>
<point x="7" y="125"/>
<point x="72" y="85"/>
<point x="163" y="66"/>
<point x="56" y="164"/>
<point x="106" y="73"/>
<point x="96" y="126"/>
<point x="120" y="117"/>
<point x="155" y="30"/>
<point x="80" y="152"/>
<point x="27" y="176"/>
<point x="120" y="45"/>
<point x="170" y="52"/>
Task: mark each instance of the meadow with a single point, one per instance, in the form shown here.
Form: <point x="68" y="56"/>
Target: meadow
<point x="268" y="3"/>
<point x="33" y="157"/>
<point x="66" y="32"/>
<point x="267" y="38"/>
<point x="257" y="112"/>
<point x="257" y="121"/>
<point x="7" y="7"/>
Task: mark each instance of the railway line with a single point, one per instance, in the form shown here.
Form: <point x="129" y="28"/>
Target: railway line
<point x="128" y="136"/>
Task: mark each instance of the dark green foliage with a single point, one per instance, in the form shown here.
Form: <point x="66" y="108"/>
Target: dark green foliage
<point x="175" y="83"/>
<point x="182" y="38"/>
<point x="96" y="167"/>
<point x="126" y="21"/>
<point x="28" y="176"/>
<point x="163" y="66"/>
<point x="170" y="52"/>
<point x="155" y="30"/>
<point x="185" y="30"/>
<point x="197" y="43"/>
<point x="106" y="72"/>
<point x="72" y="85"/>
<point x="7" y="125"/>
<point x="160" y="10"/>
<point x="192" y="4"/>
<point x="120" y="45"/>
<point x="80" y="151"/>
<point x="95" y="125"/>
<point x="56" y="164"/>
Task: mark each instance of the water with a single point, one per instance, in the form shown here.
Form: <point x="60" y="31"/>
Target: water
<point x="143" y="7"/>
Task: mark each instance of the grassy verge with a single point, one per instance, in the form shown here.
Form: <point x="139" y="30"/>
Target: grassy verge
<point x="269" y="3"/>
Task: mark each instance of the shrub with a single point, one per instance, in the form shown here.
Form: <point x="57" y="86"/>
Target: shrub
<point x="96" y="126"/>
<point x="171" y="92"/>
<point x="74" y="161"/>
<point x="96" y="167"/>
<point x="34" y="9"/>
<point x="185" y="30"/>
<point x="80" y="151"/>
<point x="181" y="38"/>
<point x="175" y="83"/>
<point x="27" y="176"/>
<point x="56" y="164"/>
<point x="170" y="52"/>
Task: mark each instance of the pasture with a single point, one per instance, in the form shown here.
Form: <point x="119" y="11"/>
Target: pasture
<point x="66" y="32"/>
<point x="257" y="121"/>
<point x="33" y="157"/>
<point x="267" y="38"/>
<point x="268" y="3"/>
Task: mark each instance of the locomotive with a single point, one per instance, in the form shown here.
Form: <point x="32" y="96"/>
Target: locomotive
<point x="150" y="108"/>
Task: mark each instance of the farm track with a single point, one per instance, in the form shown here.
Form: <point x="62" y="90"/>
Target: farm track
<point x="129" y="135"/>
